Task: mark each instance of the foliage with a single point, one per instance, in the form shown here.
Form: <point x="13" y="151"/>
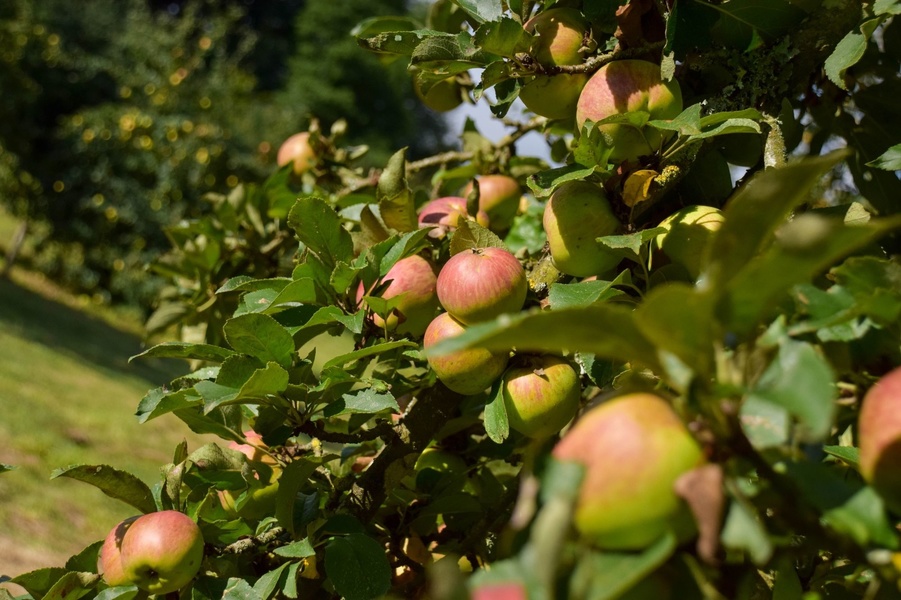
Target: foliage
<point x="765" y="356"/>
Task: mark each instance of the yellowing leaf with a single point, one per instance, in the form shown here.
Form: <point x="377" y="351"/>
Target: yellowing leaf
<point x="638" y="186"/>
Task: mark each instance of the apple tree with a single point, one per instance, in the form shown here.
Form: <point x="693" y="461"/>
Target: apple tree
<point x="664" y="367"/>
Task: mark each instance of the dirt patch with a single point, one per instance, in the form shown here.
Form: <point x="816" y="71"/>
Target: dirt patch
<point x="17" y="558"/>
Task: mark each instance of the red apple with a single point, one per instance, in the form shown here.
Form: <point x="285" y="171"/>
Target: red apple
<point x="559" y="34"/>
<point x="499" y="197"/>
<point x="500" y="591"/>
<point x="109" y="560"/>
<point x="481" y="283"/>
<point x="298" y="151"/>
<point x="445" y="213"/>
<point x="576" y="214"/>
<point x="161" y="552"/>
<point x="627" y="86"/>
<point x="634" y="448"/>
<point x="467" y="371"/>
<point x="879" y="438"/>
<point x="255" y="450"/>
<point x="541" y="394"/>
<point x="413" y="279"/>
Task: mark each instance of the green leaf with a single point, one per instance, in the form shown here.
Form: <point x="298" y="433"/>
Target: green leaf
<point x="583" y="293"/>
<point x="38" y="582"/>
<point x="482" y="10"/>
<point x="754" y="213"/>
<point x="225" y="422"/>
<point x="268" y="381"/>
<point x="291" y="481"/>
<point x="299" y="549"/>
<point x="607" y="330"/>
<point x="889" y="161"/>
<point x="887" y="7"/>
<point x="266" y="585"/>
<point x="368" y="351"/>
<point x="688" y="27"/>
<point x="544" y="182"/>
<point x="238" y="588"/>
<point x="766" y="425"/>
<point x="846" y="454"/>
<point x="608" y="575"/>
<point x="394" y="195"/>
<point x="497" y="424"/>
<point x="4" y="467"/>
<point x="846" y="54"/>
<point x="470" y="234"/>
<point x="631" y="243"/>
<point x="185" y="350"/>
<point x="119" y="485"/>
<point x="407" y="245"/>
<point x="357" y="566"/>
<point x="402" y="43"/>
<point x="744" y="22"/>
<point x="743" y="531"/>
<point x="800" y="380"/>
<point x="72" y="585"/>
<point x="260" y="336"/>
<point x="159" y="401"/>
<point x="300" y="291"/>
<point x="242" y="283"/>
<point x="504" y="37"/>
<point x="367" y="402"/>
<point x="319" y="227"/>
<point x="375" y="25"/>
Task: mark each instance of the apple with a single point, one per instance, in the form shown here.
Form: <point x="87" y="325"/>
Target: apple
<point x="576" y="214"/>
<point x="445" y="214"/>
<point x="255" y="450"/>
<point x="434" y="465"/>
<point x="634" y="448"/>
<point x="444" y="96"/>
<point x="467" y="371"/>
<point x="254" y="503"/>
<point x="627" y="86"/>
<point x="559" y="34"/>
<point x="879" y="438"/>
<point x="297" y="151"/>
<point x="499" y="197"/>
<point x="500" y="591"/>
<point x="413" y="279"/>
<point x="109" y="560"/>
<point x="161" y="552"/>
<point x="541" y="394"/>
<point x="688" y="232"/>
<point x="479" y="284"/>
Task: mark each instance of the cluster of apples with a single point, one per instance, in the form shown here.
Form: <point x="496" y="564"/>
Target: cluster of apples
<point x="562" y="36"/>
<point x="158" y="552"/>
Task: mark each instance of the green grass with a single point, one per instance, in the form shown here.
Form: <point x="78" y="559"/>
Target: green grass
<point x="68" y="396"/>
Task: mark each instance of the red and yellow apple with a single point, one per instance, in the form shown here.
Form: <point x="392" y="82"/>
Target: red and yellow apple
<point x="541" y="394"/>
<point x="559" y="34"/>
<point x="480" y="284"/>
<point x="629" y="86"/>
<point x="412" y="280"/>
<point x="576" y="214"/>
<point x="879" y="438"/>
<point x="297" y="151"/>
<point x="161" y="552"/>
<point x="109" y="560"/>
<point x="467" y="371"/>
<point x="444" y="215"/>
<point x="499" y="198"/>
<point x="633" y="448"/>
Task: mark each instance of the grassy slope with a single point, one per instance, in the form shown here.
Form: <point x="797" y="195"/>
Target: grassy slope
<point x="67" y="396"/>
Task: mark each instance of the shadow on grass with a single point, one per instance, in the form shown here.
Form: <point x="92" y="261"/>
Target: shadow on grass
<point x="37" y="318"/>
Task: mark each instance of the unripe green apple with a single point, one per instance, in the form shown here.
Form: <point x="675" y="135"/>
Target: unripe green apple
<point x="559" y="34"/>
<point x="435" y="464"/>
<point x="161" y="552"/>
<point x="257" y="502"/>
<point x="109" y="560"/>
<point x="499" y="197"/>
<point x="444" y="96"/>
<point x="541" y="395"/>
<point x="467" y="371"/>
<point x="444" y="215"/>
<point x="688" y="232"/>
<point x="634" y="448"/>
<point x="413" y="279"/>
<point x="627" y="86"/>
<point x="297" y="151"/>
<point x="480" y="284"/>
<point x="576" y="214"/>
<point x="879" y="438"/>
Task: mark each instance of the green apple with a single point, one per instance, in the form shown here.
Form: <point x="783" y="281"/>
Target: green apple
<point x="688" y="233"/>
<point x="435" y="465"/>
<point x="467" y="371"/>
<point x="297" y="151"/>
<point x="413" y="280"/>
<point x="576" y="214"/>
<point x="109" y="559"/>
<point x="444" y="96"/>
<point x="559" y="35"/>
<point x="254" y="503"/>
<point x="879" y="438"/>
<point x="629" y="86"/>
<point x="499" y="197"/>
<point x="541" y="394"/>
<point x="633" y="448"/>
<point x="161" y="552"/>
<point x="480" y="284"/>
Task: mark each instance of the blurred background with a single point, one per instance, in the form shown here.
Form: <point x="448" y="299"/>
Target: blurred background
<point x="116" y="118"/>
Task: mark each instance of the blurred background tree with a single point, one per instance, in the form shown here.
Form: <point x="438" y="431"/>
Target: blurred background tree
<point x="119" y="115"/>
